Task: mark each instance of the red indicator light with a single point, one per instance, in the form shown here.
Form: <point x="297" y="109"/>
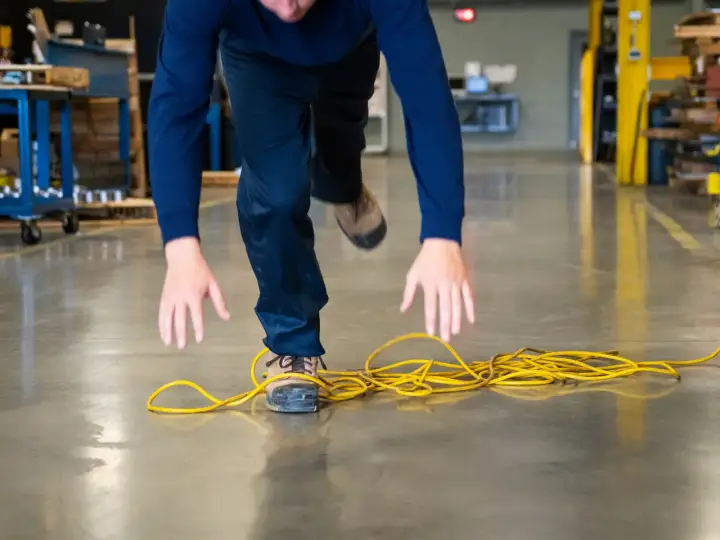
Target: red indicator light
<point x="465" y="15"/>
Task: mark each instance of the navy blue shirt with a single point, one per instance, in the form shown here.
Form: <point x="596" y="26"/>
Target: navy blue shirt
<point x="193" y="30"/>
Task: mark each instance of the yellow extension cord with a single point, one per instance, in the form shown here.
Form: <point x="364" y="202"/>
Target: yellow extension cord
<point x="424" y="377"/>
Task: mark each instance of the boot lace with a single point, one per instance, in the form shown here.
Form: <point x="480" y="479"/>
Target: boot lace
<point x="361" y="205"/>
<point x="296" y="364"/>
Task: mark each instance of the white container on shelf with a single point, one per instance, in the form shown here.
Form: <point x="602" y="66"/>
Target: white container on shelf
<point x="505" y="74"/>
<point x="473" y="69"/>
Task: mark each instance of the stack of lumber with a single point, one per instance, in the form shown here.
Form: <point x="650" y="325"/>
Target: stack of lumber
<point x="96" y="133"/>
<point x="695" y="116"/>
<point x="96" y="142"/>
<point x="699" y="36"/>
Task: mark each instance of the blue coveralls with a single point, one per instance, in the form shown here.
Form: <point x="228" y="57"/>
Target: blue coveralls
<point x="291" y="84"/>
<point x="278" y="109"/>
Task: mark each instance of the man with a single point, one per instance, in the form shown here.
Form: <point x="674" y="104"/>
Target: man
<point x="302" y="70"/>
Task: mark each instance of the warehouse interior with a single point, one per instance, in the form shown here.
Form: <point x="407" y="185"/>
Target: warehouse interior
<point x="591" y="138"/>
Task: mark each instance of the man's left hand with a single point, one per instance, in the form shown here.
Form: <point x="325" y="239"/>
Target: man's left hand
<point x="440" y="270"/>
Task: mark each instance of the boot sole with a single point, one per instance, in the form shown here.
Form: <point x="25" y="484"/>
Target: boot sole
<point x="294" y="399"/>
<point x="370" y="240"/>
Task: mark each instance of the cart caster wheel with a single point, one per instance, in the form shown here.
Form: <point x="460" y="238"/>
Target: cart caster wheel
<point x="71" y="223"/>
<point x="30" y="233"/>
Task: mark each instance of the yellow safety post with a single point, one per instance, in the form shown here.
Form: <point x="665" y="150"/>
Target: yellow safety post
<point x="713" y="183"/>
<point x="587" y="81"/>
<point x="587" y="233"/>
<point x="594" y="24"/>
<point x="632" y="90"/>
<point x="587" y="106"/>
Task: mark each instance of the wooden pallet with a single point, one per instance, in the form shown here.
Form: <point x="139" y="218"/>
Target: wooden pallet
<point x="670" y="134"/>
<point x="63" y="76"/>
<point x="698" y="25"/>
<point x="132" y="211"/>
<point x="689" y="177"/>
<point x="220" y="179"/>
<point x="691" y="185"/>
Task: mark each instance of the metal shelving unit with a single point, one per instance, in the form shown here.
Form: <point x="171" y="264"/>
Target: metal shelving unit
<point x="494" y="113"/>
<point x="605" y="106"/>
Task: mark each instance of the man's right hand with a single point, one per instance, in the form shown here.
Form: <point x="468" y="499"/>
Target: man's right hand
<point x="188" y="282"/>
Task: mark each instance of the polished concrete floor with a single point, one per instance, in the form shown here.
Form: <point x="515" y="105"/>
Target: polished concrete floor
<point x="560" y="260"/>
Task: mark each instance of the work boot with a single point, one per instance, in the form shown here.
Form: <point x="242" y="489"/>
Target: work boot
<point x="293" y="395"/>
<point x="362" y="221"/>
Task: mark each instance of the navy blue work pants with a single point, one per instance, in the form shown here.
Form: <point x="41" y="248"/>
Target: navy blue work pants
<point x="301" y="131"/>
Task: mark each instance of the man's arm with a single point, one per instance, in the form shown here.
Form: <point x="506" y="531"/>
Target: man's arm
<point x="408" y="40"/>
<point x="178" y="110"/>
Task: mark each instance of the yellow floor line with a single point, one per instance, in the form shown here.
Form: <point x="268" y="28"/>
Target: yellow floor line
<point x="674" y="229"/>
<point x="45" y="245"/>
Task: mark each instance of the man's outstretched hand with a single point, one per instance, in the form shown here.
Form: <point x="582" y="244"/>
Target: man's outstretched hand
<point x="188" y="282"/>
<point x="440" y="270"/>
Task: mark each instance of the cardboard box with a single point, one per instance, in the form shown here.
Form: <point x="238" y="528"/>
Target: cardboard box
<point x="69" y="77"/>
<point x="96" y="116"/>
<point x="9" y="143"/>
<point x="712" y="81"/>
<point x="9" y="151"/>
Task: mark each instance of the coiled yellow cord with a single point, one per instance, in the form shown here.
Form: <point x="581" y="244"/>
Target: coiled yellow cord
<point x="424" y="377"/>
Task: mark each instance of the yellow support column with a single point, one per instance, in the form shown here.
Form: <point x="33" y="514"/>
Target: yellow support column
<point x="587" y="234"/>
<point x="587" y="81"/>
<point x="632" y="90"/>
<point x="587" y="106"/>
<point x="595" y="20"/>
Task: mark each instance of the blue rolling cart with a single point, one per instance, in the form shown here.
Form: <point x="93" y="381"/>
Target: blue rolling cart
<point x="36" y="199"/>
<point x="108" y="79"/>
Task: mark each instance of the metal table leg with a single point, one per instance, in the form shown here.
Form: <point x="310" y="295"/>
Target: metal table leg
<point x="26" y="153"/>
<point x="66" y="153"/>
<point x="71" y="220"/>
<point x="42" y="134"/>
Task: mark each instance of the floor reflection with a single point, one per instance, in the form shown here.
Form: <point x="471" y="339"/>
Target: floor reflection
<point x="296" y="497"/>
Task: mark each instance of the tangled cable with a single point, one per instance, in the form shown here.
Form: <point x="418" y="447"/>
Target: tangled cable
<point x="420" y="377"/>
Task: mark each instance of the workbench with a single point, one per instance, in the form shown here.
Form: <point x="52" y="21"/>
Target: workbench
<point x="36" y="198"/>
